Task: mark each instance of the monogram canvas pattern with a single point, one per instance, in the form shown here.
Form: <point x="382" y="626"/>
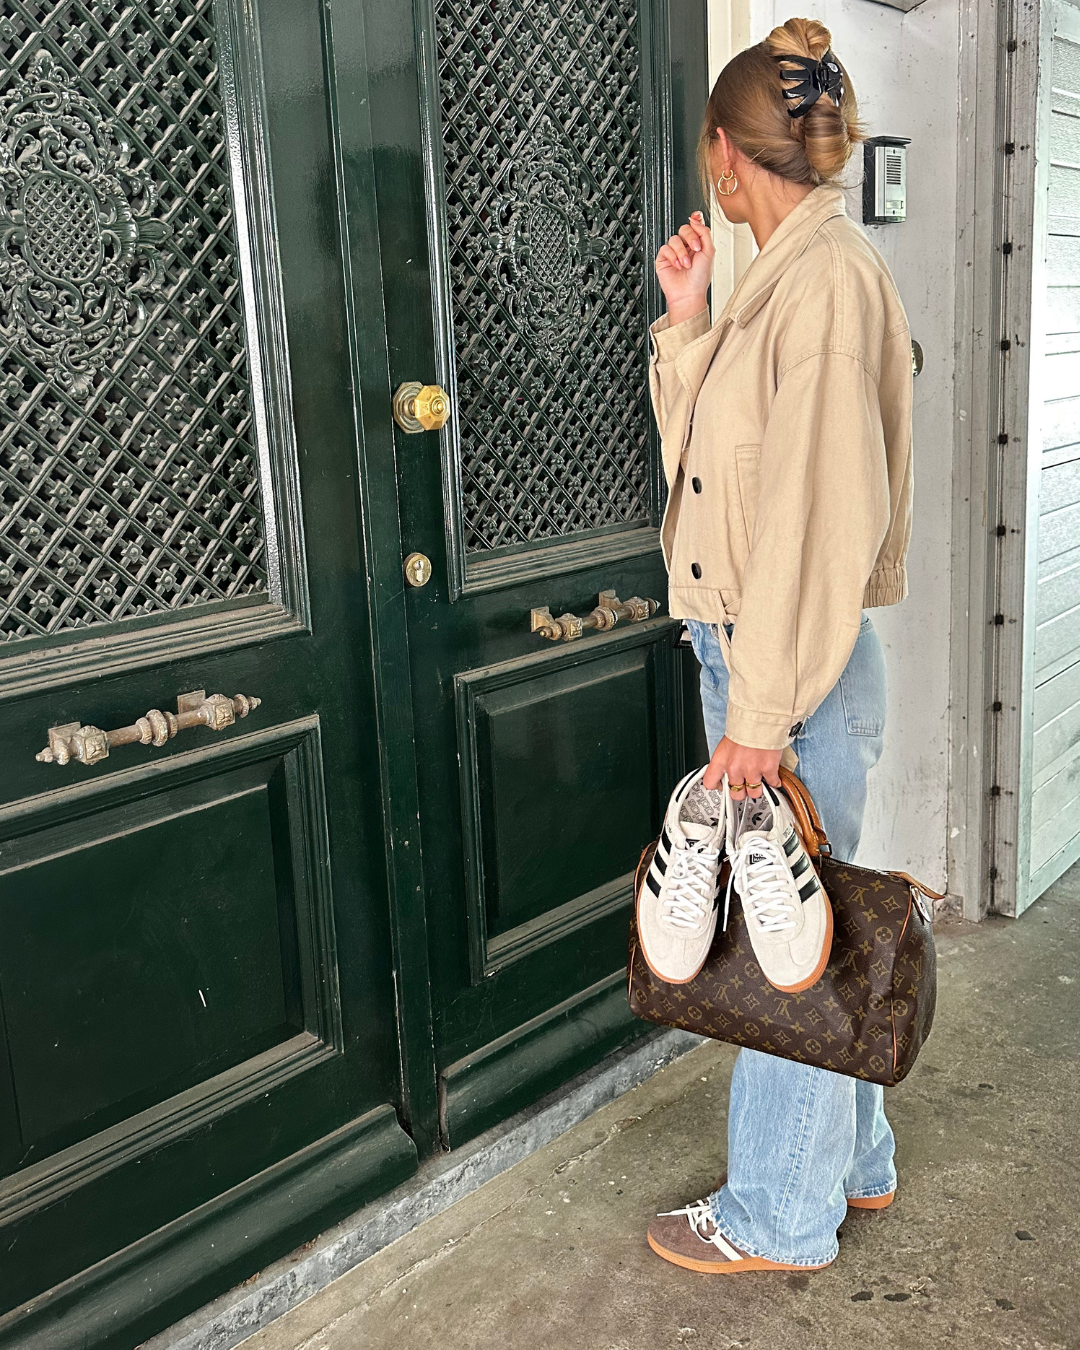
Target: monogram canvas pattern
<point x="868" y="1015"/>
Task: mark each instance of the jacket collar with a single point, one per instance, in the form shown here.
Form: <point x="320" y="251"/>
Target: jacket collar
<point x="790" y="238"/>
<point x="787" y="242"/>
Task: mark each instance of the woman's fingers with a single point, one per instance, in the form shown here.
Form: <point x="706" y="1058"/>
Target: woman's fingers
<point x="703" y="233"/>
<point x="747" y="769"/>
<point x="680" y="250"/>
<point x="746" y="775"/>
<point x="714" y="774"/>
<point x="666" y="257"/>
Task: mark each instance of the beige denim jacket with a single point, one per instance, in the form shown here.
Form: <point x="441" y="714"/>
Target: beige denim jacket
<point x="786" y="437"/>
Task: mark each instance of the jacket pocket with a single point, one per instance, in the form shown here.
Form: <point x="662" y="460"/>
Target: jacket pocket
<point x="747" y="472"/>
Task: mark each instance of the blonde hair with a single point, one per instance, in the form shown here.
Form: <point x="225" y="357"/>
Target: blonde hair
<point x="747" y="100"/>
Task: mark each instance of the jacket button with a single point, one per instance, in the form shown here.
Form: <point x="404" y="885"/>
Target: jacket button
<point x="695" y="483"/>
<point x="696" y="569"/>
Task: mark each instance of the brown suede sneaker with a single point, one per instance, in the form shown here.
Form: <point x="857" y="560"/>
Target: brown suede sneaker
<point x="689" y="1238"/>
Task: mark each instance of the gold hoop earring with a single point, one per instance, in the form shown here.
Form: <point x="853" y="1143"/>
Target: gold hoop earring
<point x="728" y="176"/>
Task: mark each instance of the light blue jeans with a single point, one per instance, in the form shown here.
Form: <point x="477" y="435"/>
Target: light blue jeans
<point x="802" y="1140"/>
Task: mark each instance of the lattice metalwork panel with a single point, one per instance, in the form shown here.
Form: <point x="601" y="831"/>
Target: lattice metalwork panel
<point x="541" y="125"/>
<point x="128" y="477"/>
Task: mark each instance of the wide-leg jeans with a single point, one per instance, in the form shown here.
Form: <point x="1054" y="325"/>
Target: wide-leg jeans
<point x="802" y="1140"/>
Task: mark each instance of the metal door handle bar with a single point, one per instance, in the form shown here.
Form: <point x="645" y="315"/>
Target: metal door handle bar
<point x="88" y="745"/>
<point x="609" y="610"/>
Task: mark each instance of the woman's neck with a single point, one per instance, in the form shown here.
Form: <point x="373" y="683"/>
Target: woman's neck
<point x="769" y="201"/>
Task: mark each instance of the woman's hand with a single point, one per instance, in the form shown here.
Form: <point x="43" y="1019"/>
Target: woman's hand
<point x="743" y="764"/>
<point x="684" y="269"/>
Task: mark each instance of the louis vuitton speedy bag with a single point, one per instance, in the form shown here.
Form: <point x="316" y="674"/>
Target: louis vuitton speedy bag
<point x="868" y="1015"/>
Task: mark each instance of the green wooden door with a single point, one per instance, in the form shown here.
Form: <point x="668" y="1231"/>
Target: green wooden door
<point x="529" y="160"/>
<point x="199" y="1054"/>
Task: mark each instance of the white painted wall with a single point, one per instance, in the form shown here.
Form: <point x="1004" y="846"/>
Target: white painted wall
<point x="905" y="71"/>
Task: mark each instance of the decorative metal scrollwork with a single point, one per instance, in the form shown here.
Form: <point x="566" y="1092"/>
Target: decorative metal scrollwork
<point x="544" y="186"/>
<point x="78" y="240"/>
<point x="129" y="481"/>
<point x="546" y="244"/>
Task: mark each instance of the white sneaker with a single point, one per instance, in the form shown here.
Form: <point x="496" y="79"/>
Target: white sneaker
<point x="676" y="908"/>
<point x="788" y="916"/>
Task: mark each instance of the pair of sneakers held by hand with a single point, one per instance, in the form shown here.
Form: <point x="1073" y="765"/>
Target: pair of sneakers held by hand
<point x="788" y="916"/>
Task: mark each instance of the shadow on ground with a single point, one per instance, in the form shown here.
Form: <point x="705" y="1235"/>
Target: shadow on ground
<point x="979" y="1250"/>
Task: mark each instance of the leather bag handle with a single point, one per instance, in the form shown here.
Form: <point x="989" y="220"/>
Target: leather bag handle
<point x="815" y="840"/>
<point x="807" y="820"/>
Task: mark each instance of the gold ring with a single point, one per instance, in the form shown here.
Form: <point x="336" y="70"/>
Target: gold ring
<point x="751" y="785"/>
<point x="737" y="787"/>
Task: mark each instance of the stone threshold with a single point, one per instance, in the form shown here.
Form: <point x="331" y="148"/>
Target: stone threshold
<point x="439" y="1183"/>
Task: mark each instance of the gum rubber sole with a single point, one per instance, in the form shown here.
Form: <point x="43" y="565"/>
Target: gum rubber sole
<point x="872" y="1201"/>
<point x="724" y="1267"/>
<point x="826" y="953"/>
<point x="667" y="979"/>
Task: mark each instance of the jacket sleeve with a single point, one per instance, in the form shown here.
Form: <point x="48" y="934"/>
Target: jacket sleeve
<point x="822" y="513"/>
<point x="667" y="342"/>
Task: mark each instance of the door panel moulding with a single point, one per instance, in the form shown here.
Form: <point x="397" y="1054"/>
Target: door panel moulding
<point x="486" y="696"/>
<point x="483" y="1088"/>
<point x="222" y="1238"/>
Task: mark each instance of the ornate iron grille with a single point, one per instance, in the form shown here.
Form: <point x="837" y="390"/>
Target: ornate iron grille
<point x="128" y="476"/>
<point x="541" y="127"/>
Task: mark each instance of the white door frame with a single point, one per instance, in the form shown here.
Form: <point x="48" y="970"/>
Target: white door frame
<point x="1000" y="302"/>
<point x="980" y="270"/>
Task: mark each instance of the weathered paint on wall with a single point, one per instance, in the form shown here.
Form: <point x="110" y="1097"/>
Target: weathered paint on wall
<point x="904" y="67"/>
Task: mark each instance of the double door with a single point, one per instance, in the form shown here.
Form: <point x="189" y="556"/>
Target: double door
<point x="306" y="870"/>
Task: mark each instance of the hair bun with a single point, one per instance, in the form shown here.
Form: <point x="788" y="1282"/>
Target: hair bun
<point x="748" y="102"/>
<point x="799" y="37"/>
<point x="827" y="130"/>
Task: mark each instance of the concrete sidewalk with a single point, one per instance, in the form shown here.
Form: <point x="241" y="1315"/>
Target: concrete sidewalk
<point x="979" y="1250"/>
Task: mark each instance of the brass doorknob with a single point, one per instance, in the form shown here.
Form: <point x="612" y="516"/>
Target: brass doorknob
<point x="420" y="407"/>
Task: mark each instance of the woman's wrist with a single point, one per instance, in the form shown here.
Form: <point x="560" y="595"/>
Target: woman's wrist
<point x="681" y="310"/>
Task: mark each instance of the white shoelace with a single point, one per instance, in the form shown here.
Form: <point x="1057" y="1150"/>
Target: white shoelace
<point x="761" y="877"/>
<point x="698" y="1214"/>
<point x="690" y="896"/>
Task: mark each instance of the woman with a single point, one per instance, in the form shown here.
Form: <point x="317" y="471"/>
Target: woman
<point x="786" y="434"/>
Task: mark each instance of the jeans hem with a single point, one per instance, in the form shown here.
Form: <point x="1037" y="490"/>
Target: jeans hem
<point x="872" y="1194"/>
<point x="732" y="1235"/>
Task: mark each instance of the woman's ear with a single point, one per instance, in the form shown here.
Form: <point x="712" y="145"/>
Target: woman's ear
<point x="725" y="151"/>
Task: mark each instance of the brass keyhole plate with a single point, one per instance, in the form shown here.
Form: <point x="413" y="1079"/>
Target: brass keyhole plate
<point x="417" y="569"/>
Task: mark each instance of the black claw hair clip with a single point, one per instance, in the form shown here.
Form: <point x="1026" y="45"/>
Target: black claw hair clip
<point x="818" y="77"/>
